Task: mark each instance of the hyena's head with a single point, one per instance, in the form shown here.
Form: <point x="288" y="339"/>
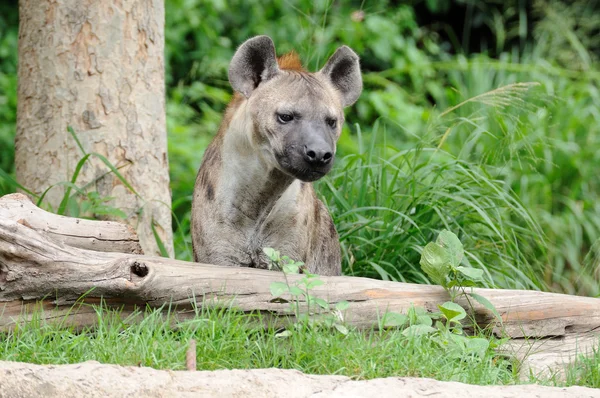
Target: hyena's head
<point x="296" y="116"/>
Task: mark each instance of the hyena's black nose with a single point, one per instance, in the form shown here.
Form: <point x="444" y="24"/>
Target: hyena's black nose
<point x="317" y="156"/>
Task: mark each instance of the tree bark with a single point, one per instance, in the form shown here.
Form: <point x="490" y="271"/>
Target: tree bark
<point x="36" y="270"/>
<point x="97" y="66"/>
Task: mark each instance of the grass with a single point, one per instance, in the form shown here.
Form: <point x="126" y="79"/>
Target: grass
<point x="585" y="371"/>
<point x="226" y="339"/>
<point x="389" y="202"/>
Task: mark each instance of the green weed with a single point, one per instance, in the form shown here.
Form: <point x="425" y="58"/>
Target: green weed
<point x="226" y="339"/>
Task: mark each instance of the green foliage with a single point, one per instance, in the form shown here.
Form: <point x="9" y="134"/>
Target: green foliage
<point x="585" y="370"/>
<point x="389" y="202"/>
<point x="441" y="261"/>
<point x="300" y="290"/>
<point x="227" y="339"/>
<point x="8" y="93"/>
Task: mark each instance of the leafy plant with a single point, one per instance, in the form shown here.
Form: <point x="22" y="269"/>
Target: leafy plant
<point x="441" y="261"/>
<point x="301" y="289"/>
<point x="444" y="328"/>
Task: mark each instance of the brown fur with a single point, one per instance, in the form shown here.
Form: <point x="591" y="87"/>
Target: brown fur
<point x="290" y="61"/>
<point x="248" y="193"/>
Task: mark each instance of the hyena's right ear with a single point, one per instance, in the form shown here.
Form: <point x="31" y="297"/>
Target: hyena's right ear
<point x="253" y="63"/>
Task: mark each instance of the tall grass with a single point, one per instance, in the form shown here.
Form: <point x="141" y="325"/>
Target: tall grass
<point x="548" y="159"/>
<point x="389" y="202"/>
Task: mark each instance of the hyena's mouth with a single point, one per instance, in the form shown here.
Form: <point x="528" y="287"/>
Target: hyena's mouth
<point x="296" y="167"/>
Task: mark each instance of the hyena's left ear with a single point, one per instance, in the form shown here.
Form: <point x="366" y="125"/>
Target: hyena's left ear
<point x="253" y="63"/>
<point x="343" y="70"/>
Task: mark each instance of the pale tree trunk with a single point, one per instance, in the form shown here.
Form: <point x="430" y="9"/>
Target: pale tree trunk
<point x="97" y="66"/>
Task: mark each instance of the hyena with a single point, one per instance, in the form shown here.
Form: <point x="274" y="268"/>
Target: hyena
<point x="278" y="134"/>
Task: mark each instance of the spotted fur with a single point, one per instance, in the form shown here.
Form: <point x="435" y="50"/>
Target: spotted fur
<point x="253" y="189"/>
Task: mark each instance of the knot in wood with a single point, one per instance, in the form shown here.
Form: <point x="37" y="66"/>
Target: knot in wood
<point x="139" y="269"/>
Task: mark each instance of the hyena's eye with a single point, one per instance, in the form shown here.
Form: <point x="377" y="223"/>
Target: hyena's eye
<point x="331" y="122"/>
<point x="284" y="118"/>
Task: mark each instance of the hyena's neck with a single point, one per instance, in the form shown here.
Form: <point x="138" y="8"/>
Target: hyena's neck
<point x="250" y="188"/>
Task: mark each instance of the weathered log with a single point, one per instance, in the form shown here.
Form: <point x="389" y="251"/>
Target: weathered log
<point x="103" y="236"/>
<point x="37" y="270"/>
<point x="92" y="379"/>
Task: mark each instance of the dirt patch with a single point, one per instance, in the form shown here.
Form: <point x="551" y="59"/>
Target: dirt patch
<point x="92" y="379"/>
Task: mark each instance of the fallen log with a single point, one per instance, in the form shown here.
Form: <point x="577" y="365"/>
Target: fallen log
<point x="39" y="270"/>
<point x="104" y="236"/>
<point x="92" y="379"/>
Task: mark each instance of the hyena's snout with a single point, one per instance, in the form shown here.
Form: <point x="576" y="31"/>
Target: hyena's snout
<point x="310" y="157"/>
<point x="317" y="152"/>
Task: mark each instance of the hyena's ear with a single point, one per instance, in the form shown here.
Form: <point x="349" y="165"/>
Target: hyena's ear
<point x="253" y="63"/>
<point x="343" y="70"/>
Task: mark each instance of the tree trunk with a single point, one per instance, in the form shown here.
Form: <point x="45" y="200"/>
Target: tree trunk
<point x="96" y="66"/>
<point x="38" y="270"/>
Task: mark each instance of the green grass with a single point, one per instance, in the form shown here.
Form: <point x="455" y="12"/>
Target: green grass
<point x="586" y="371"/>
<point x="389" y="202"/>
<point x="226" y="339"/>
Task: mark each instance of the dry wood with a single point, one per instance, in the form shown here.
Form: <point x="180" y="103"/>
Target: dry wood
<point x="190" y="356"/>
<point x="103" y="236"/>
<point x="38" y="270"/>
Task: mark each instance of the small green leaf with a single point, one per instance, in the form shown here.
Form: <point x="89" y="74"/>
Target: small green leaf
<point x="450" y="241"/>
<point x="321" y="303"/>
<point x="459" y="340"/>
<point x="270" y="253"/>
<point x="393" y="319"/>
<point x="290" y="268"/>
<point x="452" y="311"/>
<point x="74" y="135"/>
<point x="115" y="171"/>
<point x="477" y="345"/>
<point x="435" y="262"/>
<point x="424" y="320"/>
<point x="486" y="304"/>
<point x="467" y="283"/>
<point x="418" y="330"/>
<point x="314" y="283"/>
<point x="341" y="328"/>
<point x="296" y="291"/>
<point x="471" y="273"/>
<point x="419" y="310"/>
<point x="72" y="207"/>
<point x="342" y="305"/>
<point x="278" y="288"/>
